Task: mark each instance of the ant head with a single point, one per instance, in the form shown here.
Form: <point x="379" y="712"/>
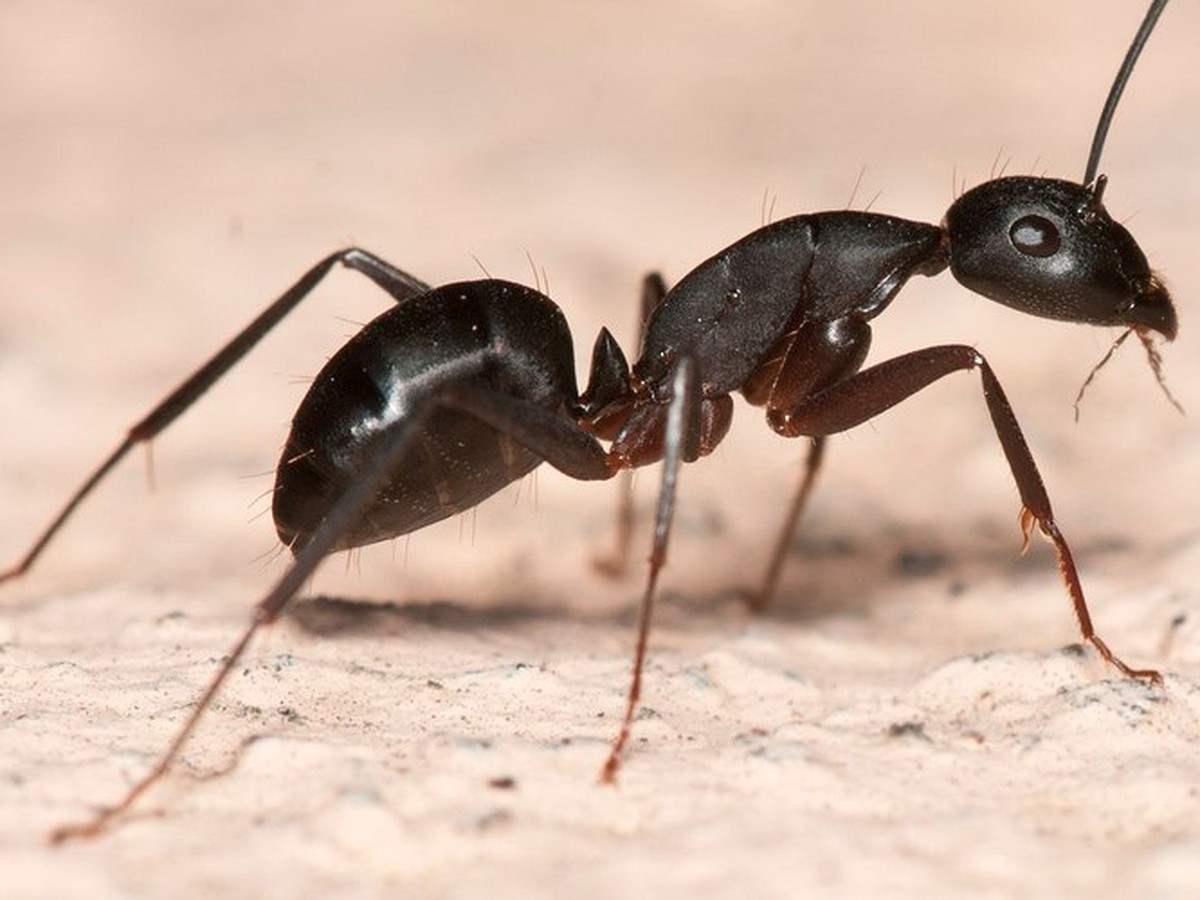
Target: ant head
<point x="1049" y="248"/>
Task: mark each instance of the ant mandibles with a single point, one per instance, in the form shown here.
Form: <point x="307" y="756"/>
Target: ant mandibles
<point x="459" y="390"/>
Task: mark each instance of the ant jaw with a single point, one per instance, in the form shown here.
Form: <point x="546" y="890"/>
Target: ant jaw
<point x="1152" y="310"/>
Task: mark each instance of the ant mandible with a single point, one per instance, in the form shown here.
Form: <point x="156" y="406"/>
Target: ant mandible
<point x="459" y="390"/>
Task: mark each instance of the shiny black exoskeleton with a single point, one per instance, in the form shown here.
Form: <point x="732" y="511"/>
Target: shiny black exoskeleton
<point x="1049" y="248"/>
<point x="459" y="390"/>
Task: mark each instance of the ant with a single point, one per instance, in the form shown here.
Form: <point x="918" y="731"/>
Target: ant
<point x="459" y="390"/>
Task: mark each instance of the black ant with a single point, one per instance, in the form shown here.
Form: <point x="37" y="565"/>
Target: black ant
<point x="459" y="390"/>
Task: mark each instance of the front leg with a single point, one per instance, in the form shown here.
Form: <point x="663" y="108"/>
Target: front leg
<point x="855" y="399"/>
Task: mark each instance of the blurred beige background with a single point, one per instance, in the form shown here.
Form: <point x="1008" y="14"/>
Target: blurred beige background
<point x="903" y="724"/>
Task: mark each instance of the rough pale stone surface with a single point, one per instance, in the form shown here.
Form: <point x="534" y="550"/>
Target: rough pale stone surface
<point x="904" y="723"/>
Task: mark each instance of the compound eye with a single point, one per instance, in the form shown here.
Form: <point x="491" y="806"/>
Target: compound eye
<point x="1035" y="236"/>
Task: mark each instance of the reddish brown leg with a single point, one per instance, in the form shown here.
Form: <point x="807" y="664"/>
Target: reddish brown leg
<point x="616" y="562"/>
<point x="759" y="600"/>
<point x="868" y="393"/>
<point x="106" y="816"/>
<point x="807" y="360"/>
<point x="680" y="414"/>
<point x="342" y="516"/>
<point x="559" y="440"/>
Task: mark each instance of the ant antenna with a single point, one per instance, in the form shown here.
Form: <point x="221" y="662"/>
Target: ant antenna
<point x="1118" y="87"/>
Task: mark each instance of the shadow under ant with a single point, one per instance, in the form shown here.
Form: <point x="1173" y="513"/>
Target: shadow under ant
<point x="832" y="571"/>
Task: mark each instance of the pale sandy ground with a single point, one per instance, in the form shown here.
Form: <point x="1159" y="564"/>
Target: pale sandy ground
<point x="905" y="723"/>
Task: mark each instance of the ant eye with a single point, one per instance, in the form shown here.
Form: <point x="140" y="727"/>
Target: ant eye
<point x="1035" y="236"/>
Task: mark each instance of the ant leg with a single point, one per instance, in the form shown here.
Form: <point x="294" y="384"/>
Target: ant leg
<point x="759" y="600"/>
<point x="681" y="414"/>
<point x="616" y="563"/>
<point x="814" y="356"/>
<point x="344" y="513"/>
<point x="557" y="440"/>
<point x="400" y="285"/>
<point x="857" y="398"/>
<point x="573" y="450"/>
<point x="576" y="453"/>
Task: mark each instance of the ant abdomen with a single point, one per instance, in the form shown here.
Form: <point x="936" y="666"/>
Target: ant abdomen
<point x="493" y="335"/>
